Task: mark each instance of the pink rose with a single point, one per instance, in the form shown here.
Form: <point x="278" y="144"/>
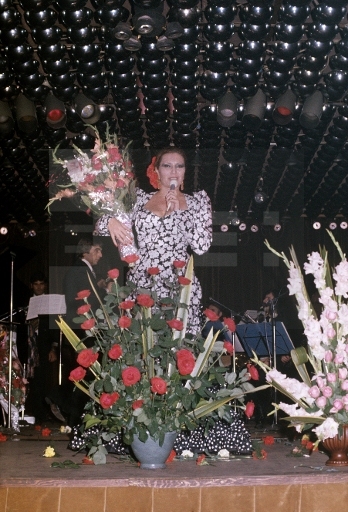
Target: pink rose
<point x="328" y="356"/>
<point x="115" y="351"/>
<point x="321" y="382"/>
<point x="113" y="273"/>
<point x="175" y="324"/>
<point x="331" y="377"/>
<point x="228" y="347"/>
<point x="338" y="404"/>
<point x="249" y="409"/>
<point x="87" y="357"/>
<point x="211" y="315"/>
<point x="344" y="385"/>
<point x="314" y="392"/>
<point x="342" y="373"/>
<point x="327" y="391"/>
<point x="124" y="322"/>
<point x="107" y="400"/>
<point x="321" y="402"/>
<point x="338" y="359"/>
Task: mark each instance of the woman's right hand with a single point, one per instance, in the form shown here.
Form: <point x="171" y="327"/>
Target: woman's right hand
<point x="119" y="232"/>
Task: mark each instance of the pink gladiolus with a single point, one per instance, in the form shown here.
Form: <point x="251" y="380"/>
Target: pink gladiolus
<point x="328" y="356"/>
<point x="331" y="333"/>
<point x="314" y="392"/>
<point x="331" y="377"/>
<point x="327" y="391"/>
<point x="342" y="373"/>
<point x="330" y="315"/>
<point x="321" y="402"/>
<point x="338" y="359"/>
<point x="321" y="382"/>
<point x="344" y="385"/>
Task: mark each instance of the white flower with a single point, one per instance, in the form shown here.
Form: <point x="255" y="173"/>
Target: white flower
<point x="315" y="264"/>
<point x="295" y="280"/>
<point x="329" y="428"/>
<point x="187" y="454"/>
<point x="224" y="454"/>
<point x="341" y="278"/>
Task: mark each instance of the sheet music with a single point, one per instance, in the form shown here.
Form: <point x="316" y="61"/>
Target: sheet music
<point x="50" y="304"/>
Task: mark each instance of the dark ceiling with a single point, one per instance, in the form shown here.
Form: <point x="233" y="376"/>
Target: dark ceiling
<point x="154" y="97"/>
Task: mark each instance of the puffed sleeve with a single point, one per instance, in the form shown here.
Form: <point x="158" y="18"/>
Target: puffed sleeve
<point x="101" y="226"/>
<point x="199" y="235"/>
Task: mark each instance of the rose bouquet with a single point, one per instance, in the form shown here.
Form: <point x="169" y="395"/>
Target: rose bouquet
<point x="147" y="375"/>
<point x="321" y="399"/>
<point x="102" y="180"/>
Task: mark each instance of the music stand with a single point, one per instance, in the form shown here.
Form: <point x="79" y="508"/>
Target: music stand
<point x="258" y="338"/>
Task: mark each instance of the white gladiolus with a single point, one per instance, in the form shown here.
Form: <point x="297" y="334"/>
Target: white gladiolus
<point x="329" y="428"/>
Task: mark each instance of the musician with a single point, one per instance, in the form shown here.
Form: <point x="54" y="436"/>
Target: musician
<point x="217" y="325"/>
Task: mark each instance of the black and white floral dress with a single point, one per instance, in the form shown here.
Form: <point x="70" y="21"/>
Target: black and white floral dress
<point x="162" y="240"/>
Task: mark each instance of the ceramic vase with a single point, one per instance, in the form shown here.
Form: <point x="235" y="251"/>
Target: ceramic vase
<point x="337" y="448"/>
<point x="150" y="454"/>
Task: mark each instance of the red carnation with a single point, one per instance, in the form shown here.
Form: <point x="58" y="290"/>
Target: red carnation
<point x="211" y="315"/>
<point x="145" y="300"/>
<point x="137" y="404"/>
<point x="185" y="361"/>
<point x="184" y="280"/>
<point x="124" y="322"/>
<point x="77" y="374"/>
<point x="114" y="155"/>
<point x="179" y="263"/>
<point x="83" y="294"/>
<point x="158" y="385"/>
<point x="88" y="324"/>
<point x="87" y="357"/>
<point x="107" y="400"/>
<point x="115" y="351"/>
<point x="228" y="347"/>
<point x="249" y="409"/>
<point x="153" y="271"/>
<point x="83" y="309"/>
<point x="252" y="370"/>
<point x="130" y="376"/>
<point x="126" y="304"/>
<point x="230" y="324"/>
<point x="113" y="273"/>
<point x="175" y="324"/>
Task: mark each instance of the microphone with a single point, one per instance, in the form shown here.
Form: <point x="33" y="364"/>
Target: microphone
<point x="172" y="186"/>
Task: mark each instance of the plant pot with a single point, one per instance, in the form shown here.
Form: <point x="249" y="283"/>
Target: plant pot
<point x="150" y="454"/>
<point x="337" y="448"/>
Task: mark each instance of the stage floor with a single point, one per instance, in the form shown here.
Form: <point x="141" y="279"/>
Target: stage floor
<point x="278" y="483"/>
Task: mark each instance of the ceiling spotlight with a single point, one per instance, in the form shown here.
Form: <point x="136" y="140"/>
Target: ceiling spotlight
<point x="227" y="108"/>
<point x="254" y="111"/>
<point x="25" y="114"/>
<point x="242" y="226"/>
<point x="316" y="225"/>
<point x="254" y="228"/>
<point x="233" y="219"/>
<point x="87" y="109"/>
<point x="277" y="227"/>
<point x="284" y="108"/>
<point x="3" y="230"/>
<point x="149" y="21"/>
<point x="122" y="31"/>
<point x="55" y="112"/>
<point x="343" y="225"/>
<point x="32" y="232"/>
<point x="224" y="228"/>
<point x="6" y="119"/>
<point x="332" y="225"/>
<point x="312" y="110"/>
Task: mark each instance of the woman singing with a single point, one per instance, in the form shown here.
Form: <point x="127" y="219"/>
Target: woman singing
<point x="167" y="223"/>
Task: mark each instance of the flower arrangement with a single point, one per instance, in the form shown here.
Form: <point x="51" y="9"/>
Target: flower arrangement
<point x="18" y="392"/>
<point x="321" y="399"/>
<point x="103" y="181"/>
<point x="148" y="375"/>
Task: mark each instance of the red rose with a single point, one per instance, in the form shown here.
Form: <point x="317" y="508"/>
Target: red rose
<point x="175" y="324"/>
<point x="114" y="155"/>
<point x="268" y="440"/>
<point x="45" y="432"/>
<point x="211" y="315"/>
<point x="87" y="357"/>
<point x="131" y="258"/>
<point x="126" y="304"/>
<point x="158" y="385"/>
<point x="179" y="264"/>
<point x="114" y="273"/>
<point x="115" y="351"/>
<point x="77" y="374"/>
<point x="185" y="361"/>
<point x="130" y="376"/>
<point x="249" y="409"/>
<point x="171" y="456"/>
<point x="88" y="324"/>
<point x="184" y="280"/>
<point x="153" y="271"/>
<point x="137" y="404"/>
<point x="83" y="294"/>
<point x="124" y="322"/>
<point x="83" y="309"/>
<point x="107" y="400"/>
<point x="200" y="461"/>
<point x="230" y="324"/>
<point x="145" y="300"/>
<point x="87" y="460"/>
<point x="228" y="347"/>
<point x="100" y="188"/>
<point x="252" y="370"/>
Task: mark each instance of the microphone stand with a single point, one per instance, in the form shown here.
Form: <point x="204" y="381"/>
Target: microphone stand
<point x="10" y="344"/>
<point x="273" y="325"/>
